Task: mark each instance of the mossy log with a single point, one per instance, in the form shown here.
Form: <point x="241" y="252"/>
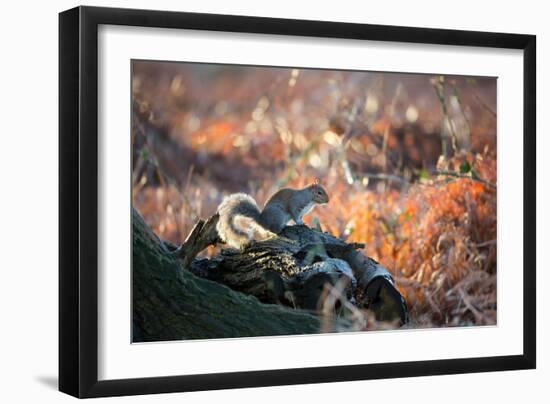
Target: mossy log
<point x="302" y="281"/>
<point x="170" y="303"/>
<point x="295" y="268"/>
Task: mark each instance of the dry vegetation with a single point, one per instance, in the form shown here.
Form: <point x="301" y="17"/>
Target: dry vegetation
<point x="408" y="160"/>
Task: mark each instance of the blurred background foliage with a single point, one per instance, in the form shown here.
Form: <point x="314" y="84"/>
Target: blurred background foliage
<point x="409" y="161"/>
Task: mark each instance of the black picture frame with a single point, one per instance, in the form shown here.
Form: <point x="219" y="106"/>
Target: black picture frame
<point x="78" y="200"/>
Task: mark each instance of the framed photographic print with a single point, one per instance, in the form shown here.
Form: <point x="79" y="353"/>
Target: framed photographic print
<point x="251" y="201"/>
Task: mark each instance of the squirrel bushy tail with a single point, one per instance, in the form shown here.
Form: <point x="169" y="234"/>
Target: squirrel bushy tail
<point x="239" y="220"/>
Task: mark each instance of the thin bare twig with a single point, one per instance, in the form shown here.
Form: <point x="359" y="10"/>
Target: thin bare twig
<point x="458" y="175"/>
<point x="485" y="105"/>
<point x="468" y="123"/>
<point x="439" y="88"/>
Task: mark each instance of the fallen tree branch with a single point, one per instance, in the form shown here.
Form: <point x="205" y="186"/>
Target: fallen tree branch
<point x="203" y="235"/>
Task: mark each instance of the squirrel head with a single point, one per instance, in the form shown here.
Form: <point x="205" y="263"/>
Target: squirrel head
<point x="319" y="194"/>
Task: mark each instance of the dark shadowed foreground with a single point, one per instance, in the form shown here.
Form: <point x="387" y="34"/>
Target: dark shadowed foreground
<point x="170" y="303"/>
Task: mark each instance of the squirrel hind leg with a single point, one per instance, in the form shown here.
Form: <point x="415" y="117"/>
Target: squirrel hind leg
<point x="251" y="230"/>
<point x="261" y="234"/>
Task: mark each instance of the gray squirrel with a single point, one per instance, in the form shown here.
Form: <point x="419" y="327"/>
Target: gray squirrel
<point x="241" y="221"/>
